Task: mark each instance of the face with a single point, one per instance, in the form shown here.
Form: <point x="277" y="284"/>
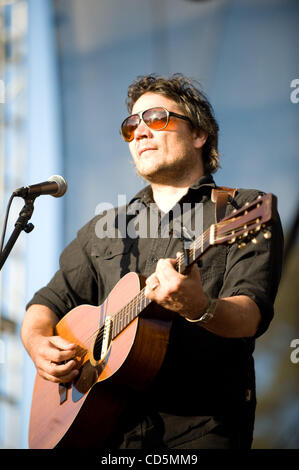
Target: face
<point x="168" y="155"/>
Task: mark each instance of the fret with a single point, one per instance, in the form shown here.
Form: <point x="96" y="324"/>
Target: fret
<point x="142" y="303"/>
<point x="146" y="301"/>
<point x="120" y="322"/>
<point x="114" y="330"/>
<point x="135" y="309"/>
<point x="127" y="321"/>
<point x="129" y="316"/>
<point x="193" y="253"/>
<point x="132" y="314"/>
<point x="180" y="265"/>
<point x="124" y="317"/>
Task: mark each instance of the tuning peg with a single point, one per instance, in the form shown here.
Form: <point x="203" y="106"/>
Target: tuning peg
<point x="267" y="234"/>
<point x="242" y="245"/>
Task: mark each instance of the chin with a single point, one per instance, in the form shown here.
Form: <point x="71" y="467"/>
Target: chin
<point x="148" y="171"/>
<point x="157" y="176"/>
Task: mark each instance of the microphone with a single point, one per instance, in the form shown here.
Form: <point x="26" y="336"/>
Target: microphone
<point x="55" y="186"/>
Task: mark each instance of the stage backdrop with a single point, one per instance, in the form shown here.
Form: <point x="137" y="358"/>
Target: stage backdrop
<point x="245" y="54"/>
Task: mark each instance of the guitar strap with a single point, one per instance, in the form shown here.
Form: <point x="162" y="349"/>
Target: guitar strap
<point x="220" y="196"/>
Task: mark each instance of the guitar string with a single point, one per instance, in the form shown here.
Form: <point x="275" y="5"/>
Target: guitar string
<point x="139" y="298"/>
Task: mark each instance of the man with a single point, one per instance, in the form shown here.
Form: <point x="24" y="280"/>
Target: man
<point x="204" y="394"/>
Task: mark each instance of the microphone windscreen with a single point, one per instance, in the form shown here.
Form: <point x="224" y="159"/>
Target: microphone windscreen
<point x="62" y="185"/>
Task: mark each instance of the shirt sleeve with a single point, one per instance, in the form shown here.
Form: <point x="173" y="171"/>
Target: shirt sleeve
<point x="75" y="283"/>
<point x="255" y="270"/>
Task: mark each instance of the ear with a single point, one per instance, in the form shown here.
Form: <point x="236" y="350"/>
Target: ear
<point x="199" y="138"/>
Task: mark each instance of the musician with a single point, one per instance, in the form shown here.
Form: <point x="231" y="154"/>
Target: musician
<point x="204" y="394"/>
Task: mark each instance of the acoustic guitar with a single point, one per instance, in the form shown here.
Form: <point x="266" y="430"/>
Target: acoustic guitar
<point x="122" y="345"/>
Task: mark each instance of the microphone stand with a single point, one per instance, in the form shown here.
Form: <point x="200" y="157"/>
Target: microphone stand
<point x="20" y="225"/>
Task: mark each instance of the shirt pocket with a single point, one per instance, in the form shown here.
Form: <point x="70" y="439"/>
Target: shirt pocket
<point x="212" y="269"/>
<point x="112" y="259"/>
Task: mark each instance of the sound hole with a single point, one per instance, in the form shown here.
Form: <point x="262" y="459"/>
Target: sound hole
<point x="98" y="344"/>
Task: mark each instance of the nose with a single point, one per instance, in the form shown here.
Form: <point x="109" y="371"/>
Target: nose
<point x="142" y="131"/>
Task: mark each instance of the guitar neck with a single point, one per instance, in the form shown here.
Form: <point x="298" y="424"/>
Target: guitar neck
<point x="241" y="226"/>
<point x="139" y="303"/>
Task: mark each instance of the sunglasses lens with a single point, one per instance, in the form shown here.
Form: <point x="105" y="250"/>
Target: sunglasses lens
<point x="128" y="127"/>
<point x="155" y="118"/>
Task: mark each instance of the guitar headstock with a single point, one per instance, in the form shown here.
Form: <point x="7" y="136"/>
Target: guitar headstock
<point x="244" y="224"/>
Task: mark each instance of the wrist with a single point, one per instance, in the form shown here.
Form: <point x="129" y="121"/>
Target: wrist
<point x="208" y="313"/>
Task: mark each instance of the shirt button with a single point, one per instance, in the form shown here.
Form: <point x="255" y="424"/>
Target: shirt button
<point x="154" y="259"/>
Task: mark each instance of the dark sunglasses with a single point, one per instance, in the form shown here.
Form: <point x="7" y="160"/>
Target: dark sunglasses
<point x="155" y="118"/>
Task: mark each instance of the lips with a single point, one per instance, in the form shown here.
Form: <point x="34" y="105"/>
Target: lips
<point x="144" y="149"/>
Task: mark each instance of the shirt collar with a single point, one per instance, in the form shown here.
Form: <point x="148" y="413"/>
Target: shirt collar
<point x="146" y="194"/>
<point x="205" y="180"/>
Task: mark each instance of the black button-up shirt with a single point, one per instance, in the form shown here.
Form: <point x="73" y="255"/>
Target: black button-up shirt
<point x="203" y="374"/>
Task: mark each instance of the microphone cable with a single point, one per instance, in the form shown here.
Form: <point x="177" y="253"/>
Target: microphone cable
<point x="5" y="222"/>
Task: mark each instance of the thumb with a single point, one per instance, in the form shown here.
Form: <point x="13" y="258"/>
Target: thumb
<point x="61" y="343"/>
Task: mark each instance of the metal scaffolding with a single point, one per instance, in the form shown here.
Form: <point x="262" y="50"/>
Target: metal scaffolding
<point x="13" y="165"/>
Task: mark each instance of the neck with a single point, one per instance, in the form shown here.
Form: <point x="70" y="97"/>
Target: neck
<point x="167" y="195"/>
<point x="170" y="184"/>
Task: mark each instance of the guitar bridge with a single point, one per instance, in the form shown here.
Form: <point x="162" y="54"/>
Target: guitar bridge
<point x="63" y="390"/>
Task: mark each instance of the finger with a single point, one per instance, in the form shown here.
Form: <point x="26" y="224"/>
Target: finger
<point x="149" y="291"/>
<point x="58" y="356"/>
<point x="60" y="370"/>
<point x="51" y="353"/>
<point x="62" y="343"/>
<point x="168" y="275"/>
<point x="60" y="349"/>
<point x="191" y="269"/>
<point x="64" y="371"/>
<point x="62" y="379"/>
<point x="152" y="283"/>
<point x="168" y="267"/>
<point x="57" y="372"/>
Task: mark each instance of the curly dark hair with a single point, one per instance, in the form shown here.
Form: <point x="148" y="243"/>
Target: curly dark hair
<point x="187" y="93"/>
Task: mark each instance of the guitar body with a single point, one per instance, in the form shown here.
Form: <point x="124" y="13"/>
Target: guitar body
<point x="84" y="413"/>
